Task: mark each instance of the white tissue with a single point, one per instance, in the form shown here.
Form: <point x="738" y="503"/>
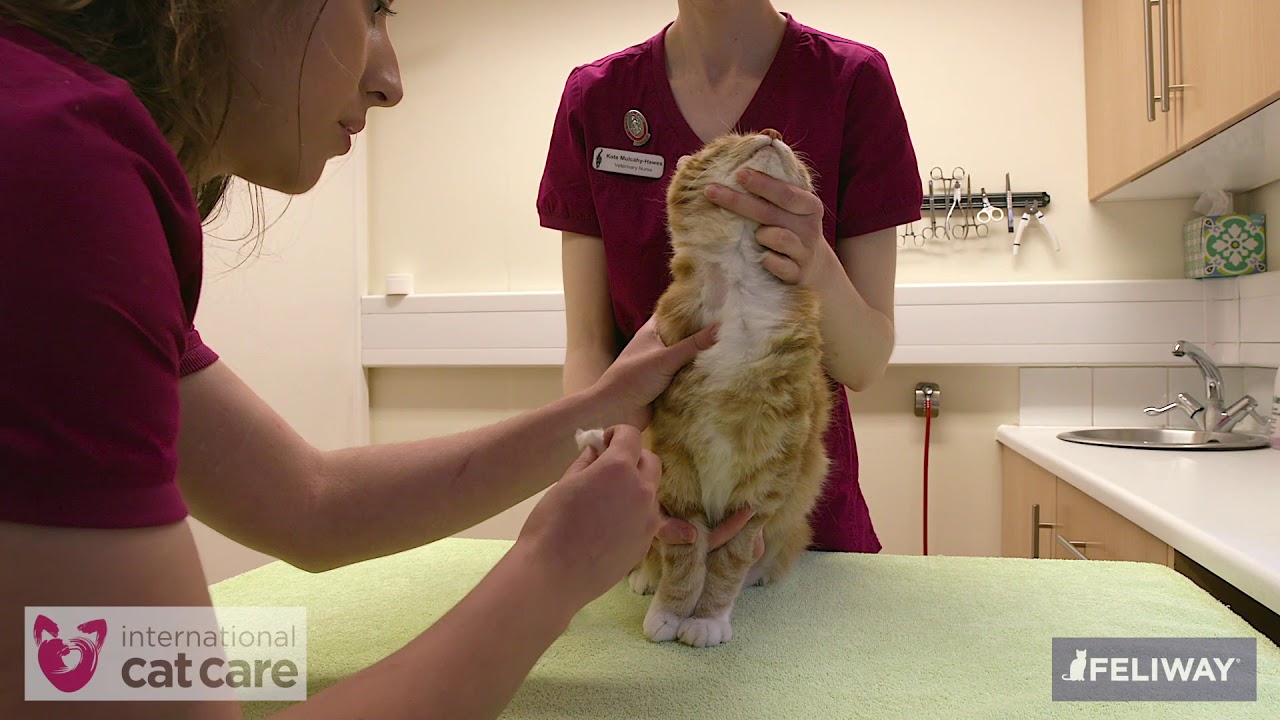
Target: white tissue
<point x="1215" y="202"/>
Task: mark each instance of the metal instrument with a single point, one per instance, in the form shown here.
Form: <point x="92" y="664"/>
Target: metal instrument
<point x="910" y="232"/>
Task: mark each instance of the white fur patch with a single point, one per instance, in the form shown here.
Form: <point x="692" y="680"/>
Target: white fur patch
<point x="592" y="438"/>
<point x="660" y="624"/>
<point x="748" y="301"/>
<point x="716" y="476"/>
<point x="641" y="581"/>
<point x="705" y="632"/>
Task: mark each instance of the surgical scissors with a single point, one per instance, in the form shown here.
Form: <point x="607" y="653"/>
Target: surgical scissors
<point x="991" y="212"/>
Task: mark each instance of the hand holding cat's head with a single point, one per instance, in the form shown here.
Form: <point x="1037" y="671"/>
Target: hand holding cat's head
<point x="718" y="162"/>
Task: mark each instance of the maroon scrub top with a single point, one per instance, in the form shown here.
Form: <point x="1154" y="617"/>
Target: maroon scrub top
<point x="832" y="99"/>
<point x="100" y="272"/>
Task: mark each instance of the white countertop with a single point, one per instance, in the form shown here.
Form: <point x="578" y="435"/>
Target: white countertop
<point x="1219" y="508"/>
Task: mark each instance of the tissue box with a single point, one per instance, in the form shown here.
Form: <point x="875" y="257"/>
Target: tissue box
<point x="1225" y="245"/>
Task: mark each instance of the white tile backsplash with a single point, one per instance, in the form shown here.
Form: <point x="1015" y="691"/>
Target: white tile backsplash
<point x="1115" y="396"/>
<point x="1120" y="394"/>
<point x="1056" y="396"/>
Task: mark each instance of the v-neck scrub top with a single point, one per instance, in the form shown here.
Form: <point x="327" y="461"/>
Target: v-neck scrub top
<point x="832" y="99"/>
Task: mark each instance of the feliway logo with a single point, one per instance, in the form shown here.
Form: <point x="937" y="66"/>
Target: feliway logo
<point x="1155" y="669"/>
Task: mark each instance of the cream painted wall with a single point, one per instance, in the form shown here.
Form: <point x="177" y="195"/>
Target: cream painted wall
<point x="455" y="168"/>
<point x="286" y="319"/>
<point x="964" y="487"/>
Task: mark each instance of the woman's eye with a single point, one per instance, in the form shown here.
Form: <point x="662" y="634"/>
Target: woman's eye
<point x="382" y="7"/>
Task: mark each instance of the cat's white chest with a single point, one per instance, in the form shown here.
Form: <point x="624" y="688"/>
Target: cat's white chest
<point x="749" y="303"/>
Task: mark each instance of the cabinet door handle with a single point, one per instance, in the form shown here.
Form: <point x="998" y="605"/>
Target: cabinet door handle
<point x="1163" y="8"/>
<point x="1036" y="527"/>
<point x="1151" y="83"/>
<point x="1073" y="547"/>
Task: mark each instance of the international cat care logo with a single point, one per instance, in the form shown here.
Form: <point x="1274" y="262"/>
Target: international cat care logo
<point x="1155" y="669"/>
<point x="68" y="663"/>
<point x="165" y="653"/>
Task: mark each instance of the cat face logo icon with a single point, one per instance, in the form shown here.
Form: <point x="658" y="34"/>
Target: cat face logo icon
<point x="1076" y="672"/>
<point x="68" y="664"/>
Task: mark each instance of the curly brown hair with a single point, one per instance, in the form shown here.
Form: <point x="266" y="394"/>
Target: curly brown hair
<point x="173" y="54"/>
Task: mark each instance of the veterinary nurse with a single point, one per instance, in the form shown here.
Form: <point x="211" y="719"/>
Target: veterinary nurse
<point x="741" y="65"/>
<point x="120" y="122"/>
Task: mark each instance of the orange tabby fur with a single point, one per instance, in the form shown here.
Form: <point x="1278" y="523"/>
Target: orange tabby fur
<point x="741" y="426"/>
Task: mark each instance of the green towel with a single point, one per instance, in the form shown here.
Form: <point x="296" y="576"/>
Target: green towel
<point x="846" y="636"/>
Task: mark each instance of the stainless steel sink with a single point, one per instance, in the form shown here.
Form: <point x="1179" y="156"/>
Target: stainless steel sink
<point x="1165" y="439"/>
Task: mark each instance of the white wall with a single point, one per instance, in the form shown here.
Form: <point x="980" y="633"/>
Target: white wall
<point x="286" y="318"/>
<point x="995" y="86"/>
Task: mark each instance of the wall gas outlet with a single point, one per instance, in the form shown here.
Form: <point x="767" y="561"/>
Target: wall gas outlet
<point x="931" y="391"/>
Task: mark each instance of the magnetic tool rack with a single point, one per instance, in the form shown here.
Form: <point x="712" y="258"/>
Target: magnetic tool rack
<point x="973" y="201"/>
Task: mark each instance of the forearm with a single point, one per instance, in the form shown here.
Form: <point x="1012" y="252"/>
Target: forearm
<point x="583" y="367"/>
<point x="377" y="500"/>
<point x="469" y="664"/>
<point x="857" y="338"/>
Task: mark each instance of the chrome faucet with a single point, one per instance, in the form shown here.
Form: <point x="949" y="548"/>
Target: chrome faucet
<point x="1212" y="416"/>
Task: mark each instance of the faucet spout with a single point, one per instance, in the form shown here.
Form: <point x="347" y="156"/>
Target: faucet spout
<point x="1212" y="376"/>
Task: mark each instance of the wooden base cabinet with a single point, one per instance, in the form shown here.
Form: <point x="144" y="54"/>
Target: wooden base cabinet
<point x="1047" y="517"/>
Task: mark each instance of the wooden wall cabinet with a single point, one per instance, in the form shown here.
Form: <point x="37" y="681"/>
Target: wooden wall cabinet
<point x="1163" y="76"/>
<point x="1072" y="525"/>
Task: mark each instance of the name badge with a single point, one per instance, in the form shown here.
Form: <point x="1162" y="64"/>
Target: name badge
<point x="626" y="162"/>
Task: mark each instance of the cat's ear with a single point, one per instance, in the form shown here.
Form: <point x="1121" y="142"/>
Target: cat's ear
<point x="681" y="162"/>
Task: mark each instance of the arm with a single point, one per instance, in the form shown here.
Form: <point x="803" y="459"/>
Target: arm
<point x="467" y="665"/>
<point x="589" y="327"/>
<point x="247" y="474"/>
<point x="580" y="539"/>
<point x="584" y="534"/>
<point x="857" y="309"/>
<point x="54" y="566"/>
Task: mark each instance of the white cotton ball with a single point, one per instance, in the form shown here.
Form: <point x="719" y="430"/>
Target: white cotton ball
<point x="592" y="438"/>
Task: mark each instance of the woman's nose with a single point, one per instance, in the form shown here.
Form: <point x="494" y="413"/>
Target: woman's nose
<point x="382" y="76"/>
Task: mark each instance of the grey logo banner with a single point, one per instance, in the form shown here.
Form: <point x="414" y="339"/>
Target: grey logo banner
<point x="1155" y="669"/>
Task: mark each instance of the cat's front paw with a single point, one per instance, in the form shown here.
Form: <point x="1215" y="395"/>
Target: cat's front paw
<point x="705" y="632"/>
<point x="660" y="624"/>
<point x="642" y="581"/>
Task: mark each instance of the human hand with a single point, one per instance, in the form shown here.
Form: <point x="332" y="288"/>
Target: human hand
<point x="796" y="251"/>
<point x="675" y="531"/>
<point x="644" y="369"/>
<point x="598" y="520"/>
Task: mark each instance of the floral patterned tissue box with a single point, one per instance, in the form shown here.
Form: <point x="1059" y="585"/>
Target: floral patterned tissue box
<point x="1225" y="245"/>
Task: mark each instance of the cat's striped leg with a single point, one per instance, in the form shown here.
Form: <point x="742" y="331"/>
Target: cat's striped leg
<point x="644" y="578"/>
<point x="684" y="568"/>
<point x="727" y="568"/>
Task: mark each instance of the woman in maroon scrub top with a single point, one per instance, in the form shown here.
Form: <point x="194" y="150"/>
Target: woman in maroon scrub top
<point x="744" y="67"/>
<point x="120" y="122"/>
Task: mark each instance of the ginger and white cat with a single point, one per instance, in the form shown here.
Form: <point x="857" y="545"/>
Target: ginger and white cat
<point x="741" y="426"/>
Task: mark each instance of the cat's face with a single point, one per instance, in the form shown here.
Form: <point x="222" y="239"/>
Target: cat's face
<point x="716" y="163"/>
